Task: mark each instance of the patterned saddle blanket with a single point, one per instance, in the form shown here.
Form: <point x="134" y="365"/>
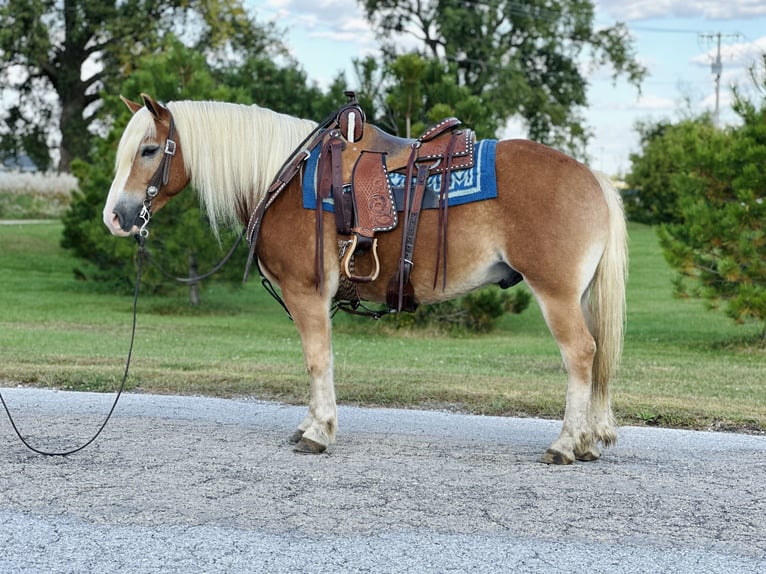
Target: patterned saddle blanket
<point x="466" y="185"/>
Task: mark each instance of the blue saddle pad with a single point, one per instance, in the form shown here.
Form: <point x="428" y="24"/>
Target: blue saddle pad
<point x="466" y="185"/>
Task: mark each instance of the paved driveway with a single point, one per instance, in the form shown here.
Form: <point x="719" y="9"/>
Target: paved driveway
<point x="184" y="484"/>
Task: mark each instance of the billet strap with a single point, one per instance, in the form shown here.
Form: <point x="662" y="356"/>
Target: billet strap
<point x="412" y="223"/>
<point x="401" y="281"/>
<point x="441" y="251"/>
<point x="342" y="202"/>
<point x="330" y="184"/>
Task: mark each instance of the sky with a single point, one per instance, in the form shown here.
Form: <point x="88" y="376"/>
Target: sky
<point x="676" y="40"/>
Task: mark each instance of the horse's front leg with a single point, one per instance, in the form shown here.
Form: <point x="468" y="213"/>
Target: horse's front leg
<point x="311" y="313"/>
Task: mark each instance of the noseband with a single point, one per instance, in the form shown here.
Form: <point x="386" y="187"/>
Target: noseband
<point x="159" y="179"/>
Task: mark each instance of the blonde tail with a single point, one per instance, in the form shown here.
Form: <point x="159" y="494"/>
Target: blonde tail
<point x="607" y="300"/>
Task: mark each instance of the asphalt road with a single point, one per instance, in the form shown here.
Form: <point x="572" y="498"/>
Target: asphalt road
<point x="185" y="484"/>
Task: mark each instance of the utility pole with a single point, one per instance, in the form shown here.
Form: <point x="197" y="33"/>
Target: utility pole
<point x="716" y="68"/>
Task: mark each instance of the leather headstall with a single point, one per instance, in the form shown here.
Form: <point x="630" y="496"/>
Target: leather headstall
<point x="157" y="181"/>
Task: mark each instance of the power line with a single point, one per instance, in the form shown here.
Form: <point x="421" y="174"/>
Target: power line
<point x="663" y="30"/>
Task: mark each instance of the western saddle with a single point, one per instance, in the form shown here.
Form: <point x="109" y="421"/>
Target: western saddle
<point x="353" y="170"/>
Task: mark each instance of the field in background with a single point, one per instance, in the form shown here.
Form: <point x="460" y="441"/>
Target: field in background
<point x="34" y="195"/>
<point x="683" y="366"/>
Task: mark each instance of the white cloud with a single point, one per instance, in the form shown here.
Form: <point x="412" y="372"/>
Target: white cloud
<point x="653" y="103"/>
<point x="739" y="54"/>
<point x="725" y="99"/>
<point x="335" y="20"/>
<point x="631" y="10"/>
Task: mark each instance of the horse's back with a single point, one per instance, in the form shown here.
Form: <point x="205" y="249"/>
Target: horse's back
<point x="528" y="171"/>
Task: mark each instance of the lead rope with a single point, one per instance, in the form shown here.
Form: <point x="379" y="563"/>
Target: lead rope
<point x="141" y="252"/>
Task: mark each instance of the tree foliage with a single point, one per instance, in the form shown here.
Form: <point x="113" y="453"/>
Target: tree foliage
<point x="516" y="58"/>
<point x="717" y="241"/>
<point x="668" y="151"/>
<point x="410" y="93"/>
<point x="56" y="56"/>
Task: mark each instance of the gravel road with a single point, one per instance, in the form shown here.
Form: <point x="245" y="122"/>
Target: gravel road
<point x="188" y="484"/>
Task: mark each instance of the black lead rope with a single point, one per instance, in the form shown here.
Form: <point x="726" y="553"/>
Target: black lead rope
<point x="140" y="240"/>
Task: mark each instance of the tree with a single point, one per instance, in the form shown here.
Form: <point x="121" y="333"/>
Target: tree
<point x="409" y="71"/>
<point x="409" y="93"/>
<point x="515" y="58"/>
<point x="667" y="150"/>
<point x="718" y="242"/>
<point x="55" y="55"/>
<point x="285" y="89"/>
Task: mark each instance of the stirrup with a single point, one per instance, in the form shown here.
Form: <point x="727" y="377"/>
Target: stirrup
<point x="345" y="262"/>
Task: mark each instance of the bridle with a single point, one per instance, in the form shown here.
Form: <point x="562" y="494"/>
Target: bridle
<point x="159" y="179"/>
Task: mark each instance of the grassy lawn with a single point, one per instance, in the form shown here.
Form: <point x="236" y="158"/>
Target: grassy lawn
<point x="683" y="366"/>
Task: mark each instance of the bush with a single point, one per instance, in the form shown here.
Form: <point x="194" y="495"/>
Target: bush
<point x="718" y="244"/>
<point x="476" y="312"/>
<point x="667" y="152"/>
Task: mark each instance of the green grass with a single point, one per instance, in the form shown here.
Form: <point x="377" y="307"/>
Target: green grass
<point x="683" y="366"/>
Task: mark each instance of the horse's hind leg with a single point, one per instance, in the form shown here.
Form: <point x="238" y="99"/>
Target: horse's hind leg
<point x="312" y="318"/>
<point x="567" y="323"/>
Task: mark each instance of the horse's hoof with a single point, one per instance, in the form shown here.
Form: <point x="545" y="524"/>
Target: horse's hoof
<point x="591" y="454"/>
<point x="555" y="457"/>
<point x="308" y="446"/>
<point x="296" y="437"/>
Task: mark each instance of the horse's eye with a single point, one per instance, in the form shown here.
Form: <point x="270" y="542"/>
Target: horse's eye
<point x="149" y="150"/>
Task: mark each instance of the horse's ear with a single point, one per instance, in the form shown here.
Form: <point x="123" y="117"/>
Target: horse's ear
<point x="157" y="110"/>
<point x="132" y="106"/>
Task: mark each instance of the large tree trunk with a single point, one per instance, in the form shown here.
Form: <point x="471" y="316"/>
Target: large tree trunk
<point x="75" y="138"/>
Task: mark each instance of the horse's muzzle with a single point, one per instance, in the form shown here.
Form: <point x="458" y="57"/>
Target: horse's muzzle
<point x="122" y="220"/>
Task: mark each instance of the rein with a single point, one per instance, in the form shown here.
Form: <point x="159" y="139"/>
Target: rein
<point x="34" y="449"/>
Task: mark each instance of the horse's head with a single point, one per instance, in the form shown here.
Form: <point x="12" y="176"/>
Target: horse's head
<point x="149" y="168"/>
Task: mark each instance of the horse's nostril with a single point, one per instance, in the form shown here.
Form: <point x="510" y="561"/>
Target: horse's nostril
<point x="117" y="219"/>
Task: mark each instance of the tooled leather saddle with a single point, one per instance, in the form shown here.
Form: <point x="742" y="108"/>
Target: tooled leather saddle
<point x="354" y="162"/>
<point x="353" y="169"/>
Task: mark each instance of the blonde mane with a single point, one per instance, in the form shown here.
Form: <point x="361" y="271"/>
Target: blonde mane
<point x="231" y="152"/>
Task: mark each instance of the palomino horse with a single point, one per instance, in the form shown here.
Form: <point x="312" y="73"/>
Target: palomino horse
<point x="555" y="222"/>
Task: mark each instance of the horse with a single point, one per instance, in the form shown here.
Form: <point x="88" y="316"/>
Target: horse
<point x="555" y="223"/>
